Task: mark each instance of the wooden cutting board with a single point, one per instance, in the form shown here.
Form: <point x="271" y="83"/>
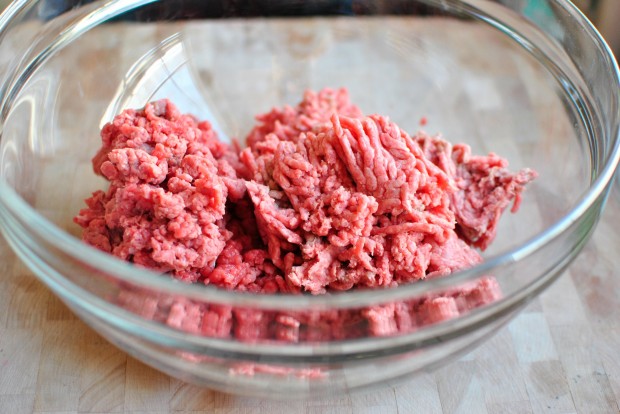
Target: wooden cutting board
<point x="561" y="355"/>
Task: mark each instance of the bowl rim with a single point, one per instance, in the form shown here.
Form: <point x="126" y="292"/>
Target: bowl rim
<point x="150" y="280"/>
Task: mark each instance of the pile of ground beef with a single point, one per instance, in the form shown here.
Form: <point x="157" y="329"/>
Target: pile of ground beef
<point x="322" y="199"/>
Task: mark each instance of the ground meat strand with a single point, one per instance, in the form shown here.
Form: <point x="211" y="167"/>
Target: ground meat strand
<point x="366" y="207"/>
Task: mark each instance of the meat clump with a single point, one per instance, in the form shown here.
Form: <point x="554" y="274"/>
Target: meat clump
<point x="322" y="199"/>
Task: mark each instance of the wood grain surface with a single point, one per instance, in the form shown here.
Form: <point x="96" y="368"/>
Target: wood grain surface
<point x="560" y="355"/>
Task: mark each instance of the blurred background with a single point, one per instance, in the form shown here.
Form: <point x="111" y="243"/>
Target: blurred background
<point x="603" y="13"/>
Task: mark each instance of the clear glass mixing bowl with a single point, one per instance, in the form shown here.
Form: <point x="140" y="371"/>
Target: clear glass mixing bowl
<point x="532" y="81"/>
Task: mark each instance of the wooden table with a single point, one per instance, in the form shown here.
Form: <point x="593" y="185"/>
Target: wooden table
<point x="561" y="355"/>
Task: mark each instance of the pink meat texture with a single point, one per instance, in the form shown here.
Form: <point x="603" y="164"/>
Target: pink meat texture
<point x="322" y="199"/>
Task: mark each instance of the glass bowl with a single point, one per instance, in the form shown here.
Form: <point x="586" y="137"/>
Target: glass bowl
<point x="531" y="81"/>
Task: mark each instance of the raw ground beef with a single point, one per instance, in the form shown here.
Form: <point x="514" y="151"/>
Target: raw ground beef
<point x="322" y="199"/>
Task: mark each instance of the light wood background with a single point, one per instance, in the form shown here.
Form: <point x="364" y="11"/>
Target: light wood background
<point x="560" y="355"/>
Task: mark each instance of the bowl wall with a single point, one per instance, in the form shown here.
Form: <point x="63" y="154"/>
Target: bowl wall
<point x="539" y="89"/>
